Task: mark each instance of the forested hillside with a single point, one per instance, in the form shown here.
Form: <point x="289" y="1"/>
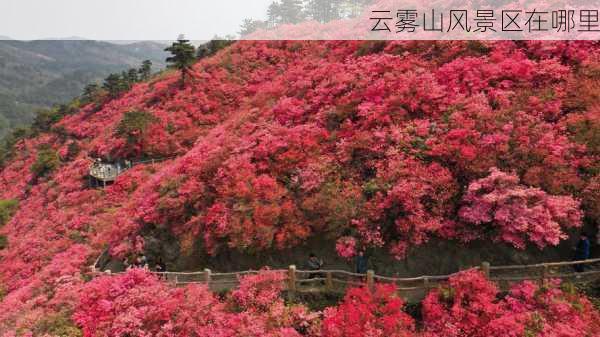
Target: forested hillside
<point x="38" y="74"/>
<point x="370" y="145"/>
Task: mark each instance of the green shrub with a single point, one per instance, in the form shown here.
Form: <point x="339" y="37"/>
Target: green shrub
<point x="3" y="242"/>
<point x="134" y="124"/>
<point x="371" y="47"/>
<point x="7" y="210"/>
<point x="47" y="160"/>
<point x="57" y="325"/>
<point x="212" y="47"/>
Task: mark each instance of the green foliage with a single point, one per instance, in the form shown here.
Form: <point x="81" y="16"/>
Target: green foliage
<point x="7" y="146"/>
<point x="59" y="324"/>
<point x="130" y="76"/>
<point x="182" y="57"/>
<point x="212" y="47"/>
<point x="323" y="10"/>
<point x="250" y="26"/>
<point x="371" y="47"/>
<point x="291" y="11"/>
<point x="478" y="47"/>
<point x="535" y="325"/>
<point x="8" y="208"/>
<point x="447" y="295"/>
<point x="114" y="84"/>
<point x="134" y="124"/>
<point x="45" y="119"/>
<point x="3" y="242"/>
<point x="90" y="93"/>
<point x="47" y="160"/>
<point x="145" y="71"/>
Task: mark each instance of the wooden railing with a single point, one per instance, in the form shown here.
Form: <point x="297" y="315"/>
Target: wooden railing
<point x="411" y="288"/>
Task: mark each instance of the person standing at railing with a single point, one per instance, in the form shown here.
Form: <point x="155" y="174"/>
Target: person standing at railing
<point x="160" y="267"/>
<point x="582" y="251"/>
<point x="314" y="263"/>
<point x="361" y="263"/>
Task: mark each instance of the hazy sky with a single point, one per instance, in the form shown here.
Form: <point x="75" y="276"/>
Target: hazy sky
<point x="126" y="19"/>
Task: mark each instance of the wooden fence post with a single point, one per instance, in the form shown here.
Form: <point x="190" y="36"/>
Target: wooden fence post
<point x="291" y="282"/>
<point x="485" y="269"/>
<point x="426" y="282"/>
<point x="207" y="276"/>
<point x="176" y="279"/>
<point x="544" y="275"/>
<point x="329" y="281"/>
<point x="371" y="280"/>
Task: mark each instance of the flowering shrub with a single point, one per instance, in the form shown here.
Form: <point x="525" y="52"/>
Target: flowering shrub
<point x="366" y="313"/>
<point x="139" y="304"/>
<point x="471" y="306"/>
<point x="258" y="292"/>
<point x="520" y="213"/>
<point x="464" y="307"/>
<point x="346" y="247"/>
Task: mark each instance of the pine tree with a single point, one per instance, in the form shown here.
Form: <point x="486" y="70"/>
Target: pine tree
<point x="250" y="26"/>
<point x="114" y="85"/>
<point x="90" y="92"/>
<point x="273" y="14"/>
<point x="145" y="70"/>
<point x="291" y="11"/>
<point x="131" y="76"/>
<point x="183" y="57"/>
<point x="323" y="10"/>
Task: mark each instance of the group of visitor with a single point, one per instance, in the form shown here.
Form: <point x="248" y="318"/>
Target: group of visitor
<point x="582" y="252"/>
<point x="314" y="264"/>
<point x="141" y="261"/>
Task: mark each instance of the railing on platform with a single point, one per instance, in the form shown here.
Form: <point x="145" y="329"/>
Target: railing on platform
<point x="107" y="171"/>
<point x="411" y="288"/>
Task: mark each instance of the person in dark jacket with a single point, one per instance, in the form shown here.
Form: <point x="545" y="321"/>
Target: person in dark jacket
<point x="361" y="263"/>
<point x="160" y="267"/>
<point x="314" y="263"/>
<point x="582" y="251"/>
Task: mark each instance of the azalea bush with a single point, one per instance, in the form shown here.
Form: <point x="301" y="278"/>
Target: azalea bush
<point x="369" y="313"/>
<point x="137" y="303"/>
<point x="519" y="213"/>
<point x="470" y="305"/>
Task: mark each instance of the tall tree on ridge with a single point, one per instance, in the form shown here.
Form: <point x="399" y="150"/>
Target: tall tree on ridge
<point x="183" y="57"/>
<point x="323" y="10"/>
<point x="291" y="11"/>
<point x="273" y="14"/>
<point x="145" y="70"/>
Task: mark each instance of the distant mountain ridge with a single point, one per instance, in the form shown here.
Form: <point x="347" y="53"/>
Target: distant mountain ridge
<point x="36" y="74"/>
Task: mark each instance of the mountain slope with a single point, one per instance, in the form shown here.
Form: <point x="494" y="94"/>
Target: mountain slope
<point x="367" y="145"/>
<point x="36" y="74"/>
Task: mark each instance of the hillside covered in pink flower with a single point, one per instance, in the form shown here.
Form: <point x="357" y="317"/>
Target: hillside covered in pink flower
<point x="372" y="145"/>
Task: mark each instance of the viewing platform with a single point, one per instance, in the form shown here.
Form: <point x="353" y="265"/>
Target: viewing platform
<point x="107" y="172"/>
